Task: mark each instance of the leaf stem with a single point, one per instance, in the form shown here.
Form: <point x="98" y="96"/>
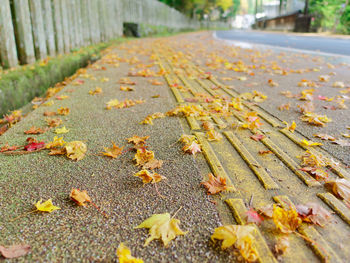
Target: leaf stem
<point x="22" y="215"/>
<point x="178" y="210"/>
<point x="98" y="209"/>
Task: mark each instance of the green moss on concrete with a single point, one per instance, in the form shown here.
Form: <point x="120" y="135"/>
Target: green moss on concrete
<point x="19" y="86"/>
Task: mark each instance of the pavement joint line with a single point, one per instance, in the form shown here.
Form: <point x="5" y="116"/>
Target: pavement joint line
<point x="337" y="205"/>
<point x="239" y="212"/>
<point x="187" y="85"/>
<point x="264" y="178"/>
<point x="320" y="246"/>
<point x="192" y="122"/>
<point x="306" y="178"/>
<point x="213" y="160"/>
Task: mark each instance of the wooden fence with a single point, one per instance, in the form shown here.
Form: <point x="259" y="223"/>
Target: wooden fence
<point x="31" y="30"/>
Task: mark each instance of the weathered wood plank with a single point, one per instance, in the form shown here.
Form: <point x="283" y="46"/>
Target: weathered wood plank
<point x="67" y="39"/>
<point x="7" y="37"/>
<point x="48" y="26"/>
<point x="25" y="43"/>
<point x="58" y="27"/>
<point x="38" y="29"/>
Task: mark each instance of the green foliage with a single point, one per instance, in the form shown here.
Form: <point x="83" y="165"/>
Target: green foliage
<point x="331" y="15"/>
<point x="20" y="85"/>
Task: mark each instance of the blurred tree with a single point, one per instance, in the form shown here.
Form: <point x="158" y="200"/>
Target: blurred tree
<point x="200" y="8"/>
<point x="330" y="15"/>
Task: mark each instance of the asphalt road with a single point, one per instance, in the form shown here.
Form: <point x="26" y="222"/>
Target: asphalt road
<point x="323" y="44"/>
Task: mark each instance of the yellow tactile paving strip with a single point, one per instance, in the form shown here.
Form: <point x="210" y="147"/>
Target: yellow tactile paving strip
<point x="276" y="177"/>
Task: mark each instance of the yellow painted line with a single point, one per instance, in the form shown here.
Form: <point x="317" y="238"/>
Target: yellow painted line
<point x="192" y="122"/>
<point x="306" y="178"/>
<point x="284" y="201"/>
<point x="187" y="85"/>
<point x="319" y="245"/>
<point x="265" y="254"/>
<point x="258" y="170"/>
<point x="177" y="94"/>
<point x="238" y="209"/>
<point x="297" y="140"/>
<point x="221" y="124"/>
<point x="212" y="159"/>
<point x="337" y="205"/>
<point x="239" y="212"/>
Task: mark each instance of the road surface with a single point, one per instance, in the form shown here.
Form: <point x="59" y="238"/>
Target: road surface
<point x="313" y="43"/>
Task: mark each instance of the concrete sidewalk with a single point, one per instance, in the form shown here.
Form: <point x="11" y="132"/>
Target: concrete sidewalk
<point x="213" y="83"/>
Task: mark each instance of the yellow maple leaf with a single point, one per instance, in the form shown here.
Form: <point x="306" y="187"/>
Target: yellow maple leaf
<point x="112" y="103"/>
<point x="187" y="139"/>
<point x="98" y="90"/>
<point x="61" y="130"/>
<point x="137" y="140"/>
<point x="124" y="255"/>
<point x="75" y="150"/>
<point x="161" y="226"/>
<point x="113" y="152"/>
<point x="238" y="236"/>
<point x="104" y="80"/>
<point x="148" y="177"/>
<point x="57" y="142"/>
<point x="63" y="111"/>
<point x="213" y="135"/>
<point x="49" y="103"/>
<point x="292" y="126"/>
<point x="143" y="156"/>
<point x="287" y="221"/>
<point x="309" y="143"/>
<point x="126" y="88"/>
<point x="47" y="206"/>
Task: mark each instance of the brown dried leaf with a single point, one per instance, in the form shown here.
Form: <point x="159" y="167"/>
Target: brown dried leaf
<point x="215" y="184"/>
<point x="14" y="251"/>
<point x="340" y="187"/>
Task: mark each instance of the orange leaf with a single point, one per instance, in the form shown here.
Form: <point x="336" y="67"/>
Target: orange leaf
<point x="34" y="130"/>
<point x="143" y="156"/>
<point x="215" y="184"/>
<point x="137" y="140"/>
<point x="80" y="197"/>
<point x="113" y="152"/>
<point x="148" y="177"/>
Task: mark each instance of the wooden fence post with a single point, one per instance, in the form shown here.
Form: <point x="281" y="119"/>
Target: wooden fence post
<point x="24" y="32"/>
<point x="48" y="26"/>
<point x="79" y="26"/>
<point x="67" y="40"/>
<point x="38" y="29"/>
<point x="85" y="22"/>
<point x="94" y="21"/>
<point x="7" y="37"/>
<point x="71" y="23"/>
<point x="58" y="30"/>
